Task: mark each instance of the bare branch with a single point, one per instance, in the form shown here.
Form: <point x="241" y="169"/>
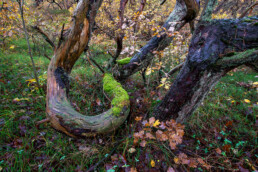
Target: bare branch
<point x="247" y="10"/>
<point x="208" y="9"/>
<point x="45" y="36"/>
<point x="184" y="12"/>
<point x="91" y="59"/>
<point x="175" y="69"/>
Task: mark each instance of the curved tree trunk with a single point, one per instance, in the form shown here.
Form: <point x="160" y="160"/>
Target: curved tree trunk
<point x="61" y="114"/>
<point x="211" y="56"/>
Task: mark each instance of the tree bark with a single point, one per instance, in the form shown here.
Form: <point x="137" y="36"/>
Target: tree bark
<point x="184" y="12"/>
<point x="207" y="62"/>
<point x="61" y="114"/>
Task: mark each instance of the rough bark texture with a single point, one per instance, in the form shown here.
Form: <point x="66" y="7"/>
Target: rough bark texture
<point x="207" y="62"/>
<point x="59" y="110"/>
<point x="184" y="12"/>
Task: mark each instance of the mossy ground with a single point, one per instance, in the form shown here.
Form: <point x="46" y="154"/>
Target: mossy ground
<point x="224" y="120"/>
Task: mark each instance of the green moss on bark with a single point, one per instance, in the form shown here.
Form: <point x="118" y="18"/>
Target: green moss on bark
<point x="115" y="90"/>
<point x="124" y="61"/>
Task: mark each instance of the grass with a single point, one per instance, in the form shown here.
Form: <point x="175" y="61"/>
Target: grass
<point x="224" y="121"/>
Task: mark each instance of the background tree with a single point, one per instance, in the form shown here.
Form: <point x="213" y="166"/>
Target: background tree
<point x="203" y="68"/>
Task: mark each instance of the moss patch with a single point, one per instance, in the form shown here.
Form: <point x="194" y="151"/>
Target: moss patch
<point x="115" y="90"/>
<point x="124" y="61"/>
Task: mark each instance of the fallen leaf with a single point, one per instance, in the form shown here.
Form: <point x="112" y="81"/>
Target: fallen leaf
<point x="200" y="160"/>
<point x="131" y="150"/>
<point x="156" y="123"/>
<point x="152" y="163"/>
<point x="143" y="143"/>
<point x="176" y="160"/>
<point x="133" y="169"/>
<point x="98" y="102"/>
<point x="247" y="101"/>
<point x="151" y="121"/>
<point x="161" y="136"/>
<point x="149" y="136"/>
<point x="218" y="150"/>
<point x="170" y="169"/>
<point x="138" y="118"/>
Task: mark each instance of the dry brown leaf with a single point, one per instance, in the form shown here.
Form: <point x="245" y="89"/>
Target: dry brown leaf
<point x="218" y="150"/>
<point x="133" y="169"/>
<point x="151" y="121"/>
<point x="138" y="118"/>
<point x="200" y="160"/>
<point x="193" y="163"/>
<point x="170" y="169"/>
<point x="143" y="143"/>
<point x="172" y="145"/>
<point x="149" y="136"/>
<point x="161" y="136"/>
<point x="162" y="126"/>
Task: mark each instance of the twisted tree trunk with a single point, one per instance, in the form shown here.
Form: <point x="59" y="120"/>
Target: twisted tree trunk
<point x="61" y="114"/>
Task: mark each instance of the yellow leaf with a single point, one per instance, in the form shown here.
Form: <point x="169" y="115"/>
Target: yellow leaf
<point x="156" y="123"/>
<point x="167" y="87"/>
<point x="163" y="80"/>
<point x="16" y="100"/>
<point x="247" y="101"/>
<point x="160" y="85"/>
<point x="12" y="47"/>
<point x="176" y="159"/>
<point x="148" y="71"/>
<point x="152" y="163"/>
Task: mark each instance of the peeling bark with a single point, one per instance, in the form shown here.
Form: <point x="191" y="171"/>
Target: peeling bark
<point x="61" y="114"/>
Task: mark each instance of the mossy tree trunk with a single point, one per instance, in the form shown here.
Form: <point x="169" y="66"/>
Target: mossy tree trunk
<point x="211" y="56"/>
<point x="61" y="114"/>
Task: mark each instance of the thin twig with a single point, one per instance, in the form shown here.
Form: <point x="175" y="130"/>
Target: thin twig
<point x="91" y="59"/>
<point x="21" y="2"/>
<point x="47" y="56"/>
<point x="45" y="36"/>
<point x="175" y="69"/>
<point x="247" y="10"/>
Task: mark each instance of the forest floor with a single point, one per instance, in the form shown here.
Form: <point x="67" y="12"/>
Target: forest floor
<point x="221" y="135"/>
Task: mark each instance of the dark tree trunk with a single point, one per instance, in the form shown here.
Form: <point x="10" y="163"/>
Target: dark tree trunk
<point x="208" y="60"/>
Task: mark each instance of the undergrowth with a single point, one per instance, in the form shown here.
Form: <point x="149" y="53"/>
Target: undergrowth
<point x="222" y="132"/>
